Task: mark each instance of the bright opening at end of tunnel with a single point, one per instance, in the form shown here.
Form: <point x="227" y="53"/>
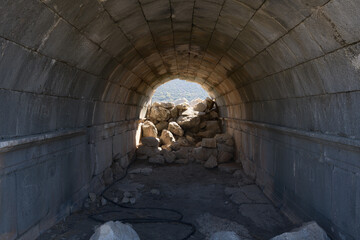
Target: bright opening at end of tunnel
<point x="178" y="91"/>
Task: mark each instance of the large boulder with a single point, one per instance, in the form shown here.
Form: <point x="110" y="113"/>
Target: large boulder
<point x="200" y="107"/>
<point x="150" y="141"/>
<point x="167" y="105"/>
<point x="149" y="129"/>
<point x="161" y="126"/>
<point x="159" y="113"/>
<point x="175" y="128"/>
<point x="167" y="138"/>
<point x="195" y="101"/>
<point x="115" y="231"/>
<point x="187" y="122"/>
<point x="309" y="231"/>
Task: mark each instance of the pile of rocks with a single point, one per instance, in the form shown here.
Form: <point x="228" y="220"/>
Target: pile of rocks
<point x="184" y="133"/>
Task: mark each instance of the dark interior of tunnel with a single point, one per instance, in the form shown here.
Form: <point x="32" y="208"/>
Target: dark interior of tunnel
<point x="76" y="79"/>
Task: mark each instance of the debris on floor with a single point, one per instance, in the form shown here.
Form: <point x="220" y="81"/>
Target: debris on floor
<point x="309" y="231"/>
<point x="210" y="225"/>
<point x="115" y="231"/>
<point x="225" y="235"/>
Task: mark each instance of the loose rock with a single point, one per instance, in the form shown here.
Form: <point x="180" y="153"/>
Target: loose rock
<point x="115" y="231"/>
<point x="167" y="138"/>
<point x="208" y="143"/>
<point x="211" y="162"/>
<point x="309" y="231"/>
<point x="149" y="129"/>
<point x="150" y="141"/>
<point x="175" y="129"/>
<point x="158" y="159"/>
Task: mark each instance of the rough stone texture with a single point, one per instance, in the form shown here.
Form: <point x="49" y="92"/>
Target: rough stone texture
<point x="285" y="76"/>
<point x="225" y="235"/>
<point x="175" y="129"/>
<point x="309" y="231"/>
<point x="211" y="162"/>
<point x="167" y="137"/>
<point x="158" y="159"/>
<point x="150" y="141"/>
<point x="208" y="143"/>
<point x="115" y="231"/>
<point x="149" y="129"/>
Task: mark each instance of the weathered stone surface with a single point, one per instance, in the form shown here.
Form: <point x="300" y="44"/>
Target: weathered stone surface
<point x="188" y="121"/>
<point x="108" y="176"/>
<point x="161" y="126"/>
<point x="211" y="162"/>
<point x="175" y="129"/>
<point x="229" y="167"/>
<point x="174" y="112"/>
<point x="182" y="153"/>
<point x="167" y="137"/>
<point x="309" y="231"/>
<point x="225" y="235"/>
<point x="150" y="141"/>
<point x="200" y="107"/>
<point x="159" y="113"/>
<point x="124" y="161"/>
<point x="149" y="129"/>
<point x="224" y="157"/>
<point x="115" y="231"/>
<point x="169" y="156"/>
<point x="157" y="159"/>
<point x="208" y="143"/>
<point x="147" y="151"/>
<point x="202" y="154"/>
<point x="166" y="105"/>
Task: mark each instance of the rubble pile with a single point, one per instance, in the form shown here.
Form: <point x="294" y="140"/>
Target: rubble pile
<point x="185" y="133"/>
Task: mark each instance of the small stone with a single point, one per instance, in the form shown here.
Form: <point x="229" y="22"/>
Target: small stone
<point x="155" y="191"/>
<point x="225" y="235"/>
<point x="132" y="200"/>
<point x="92" y="197"/>
<point x="208" y="143"/>
<point x="115" y="200"/>
<point x="115" y="231"/>
<point x="169" y="156"/>
<point x="211" y="162"/>
<point x="125" y="200"/>
<point x="127" y="194"/>
<point x="124" y="161"/>
<point x="103" y="201"/>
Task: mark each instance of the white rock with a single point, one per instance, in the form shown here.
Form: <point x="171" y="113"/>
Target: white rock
<point x="115" y="231"/>
<point x="211" y="162"/>
<point x="309" y="231"/>
<point x="225" y="235"/>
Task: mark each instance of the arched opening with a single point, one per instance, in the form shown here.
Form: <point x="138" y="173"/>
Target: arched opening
<point x="75" y="81"/>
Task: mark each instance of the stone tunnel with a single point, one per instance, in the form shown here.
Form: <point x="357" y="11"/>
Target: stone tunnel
<point x="76" y="77"/>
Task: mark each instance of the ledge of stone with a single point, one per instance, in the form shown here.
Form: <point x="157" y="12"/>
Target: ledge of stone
<point x="16" y="143"/>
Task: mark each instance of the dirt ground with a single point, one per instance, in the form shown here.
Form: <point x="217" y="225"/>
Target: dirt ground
<point x="209" y="199"/>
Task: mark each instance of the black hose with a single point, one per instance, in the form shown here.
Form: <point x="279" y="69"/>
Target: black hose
<point x="137" y="220"/>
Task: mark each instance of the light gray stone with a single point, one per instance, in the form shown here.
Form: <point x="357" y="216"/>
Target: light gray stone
<point x="149" y="129"/>
<point x="115" y="231"/>
<point x="309" y="231"/>
<point x="175" y="129"/>
<point x="167" y="138"/>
